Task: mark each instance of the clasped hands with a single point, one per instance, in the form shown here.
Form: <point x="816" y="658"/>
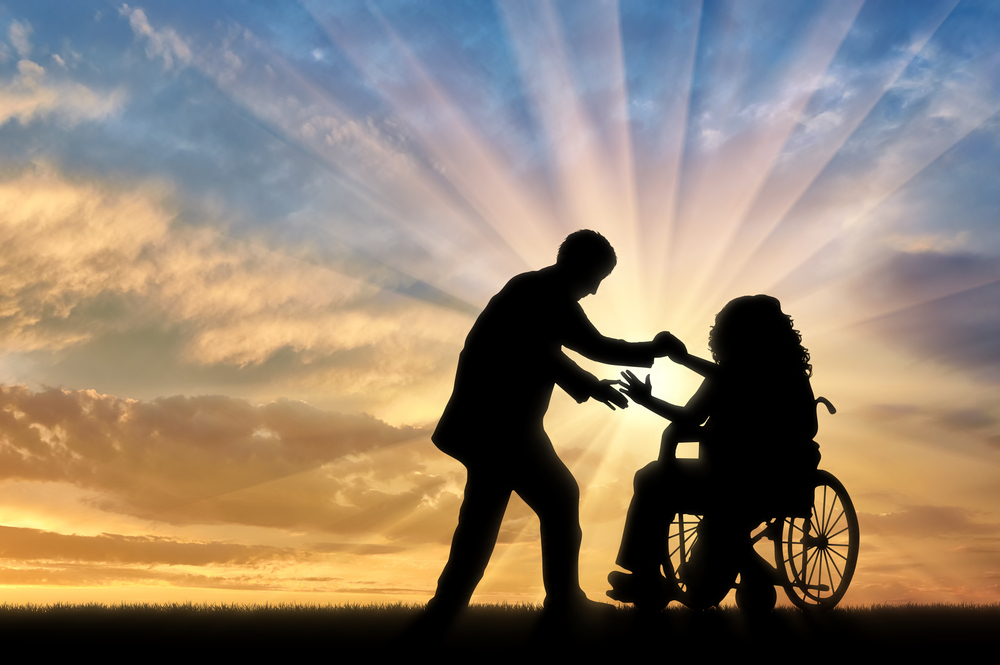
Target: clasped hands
<point x="665" y="344"/>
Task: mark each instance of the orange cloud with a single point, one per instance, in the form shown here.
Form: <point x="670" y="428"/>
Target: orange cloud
<point x="37" y="545"/>
<point x="87" y="263"/>
<point x="212" y="460"/>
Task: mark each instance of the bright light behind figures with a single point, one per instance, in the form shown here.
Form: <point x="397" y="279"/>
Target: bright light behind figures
<point x="241" y="246"/>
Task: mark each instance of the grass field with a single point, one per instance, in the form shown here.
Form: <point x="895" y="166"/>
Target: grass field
<point x="176" y="630"/>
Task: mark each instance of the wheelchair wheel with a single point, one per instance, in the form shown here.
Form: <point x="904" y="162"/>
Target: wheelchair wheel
<point x="818" y="554"/>
<point x="700" y="560"/>
<point x="681" y="538"/>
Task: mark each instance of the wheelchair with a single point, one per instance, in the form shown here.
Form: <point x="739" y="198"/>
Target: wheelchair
<point x="815" y="545"/>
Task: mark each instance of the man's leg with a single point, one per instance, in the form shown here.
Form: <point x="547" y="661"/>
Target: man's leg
<point x="548" y="487"/>
<point x="475" y="537"/>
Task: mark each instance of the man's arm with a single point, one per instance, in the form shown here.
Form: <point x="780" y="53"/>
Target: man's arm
<point x="582" y="385"/>
<point x="580" y="335"/>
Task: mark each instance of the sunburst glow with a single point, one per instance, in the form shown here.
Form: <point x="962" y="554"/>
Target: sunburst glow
<point x="242" y="247"/>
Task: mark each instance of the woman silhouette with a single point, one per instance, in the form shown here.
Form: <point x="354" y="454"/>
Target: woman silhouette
<point x="754" y="416"/>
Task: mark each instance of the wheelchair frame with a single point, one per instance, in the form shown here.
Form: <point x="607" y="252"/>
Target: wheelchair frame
<point x="815" y="556"/>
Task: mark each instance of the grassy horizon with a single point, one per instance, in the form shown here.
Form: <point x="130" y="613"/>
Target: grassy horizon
<point x="387" y="627"/>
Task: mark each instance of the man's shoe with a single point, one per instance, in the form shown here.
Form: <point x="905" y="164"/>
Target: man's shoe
<point x="577" y="607"/>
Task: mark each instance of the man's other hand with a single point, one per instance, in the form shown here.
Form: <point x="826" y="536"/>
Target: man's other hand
<point x="666" y="344"/>
<point x="605" y="394"/>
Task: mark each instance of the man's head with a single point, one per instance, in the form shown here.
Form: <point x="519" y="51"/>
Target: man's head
<point x="586" y="258"/>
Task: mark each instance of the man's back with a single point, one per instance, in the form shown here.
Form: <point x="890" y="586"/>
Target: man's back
<point x="512" y="359"/>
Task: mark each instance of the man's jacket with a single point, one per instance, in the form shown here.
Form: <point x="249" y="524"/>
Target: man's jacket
<point x="512" y="359"/>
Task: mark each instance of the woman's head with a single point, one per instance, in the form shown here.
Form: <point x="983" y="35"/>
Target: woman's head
<point x="752" y="330"/>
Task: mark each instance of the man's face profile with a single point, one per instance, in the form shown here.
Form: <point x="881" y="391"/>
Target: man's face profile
<point x="587" y="283"/>
<point x="585" y="258"/>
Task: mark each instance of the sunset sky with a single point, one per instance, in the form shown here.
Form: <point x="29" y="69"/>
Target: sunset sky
<point x="241" y="245"/>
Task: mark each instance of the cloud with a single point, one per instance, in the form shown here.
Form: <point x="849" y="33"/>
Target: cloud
<point x="219" y="460"/>
<point x="79" y="575"/>
<point x="36" y="545"/>
<point x="927" y="522"/>
<point x="953" y="317"/>
<point x="974" y="423"/>
<point x="940" y="243"/>
<point x="30" y="95"/>
<point x="967" y="419"/>
<point x="82" y="262"/>
<point x="165" y="44"/>
<point x="19" y="34"/>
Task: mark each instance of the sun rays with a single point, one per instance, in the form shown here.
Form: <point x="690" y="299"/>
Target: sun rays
<point x="745" y="187"/>
<point x="313" y="201"/>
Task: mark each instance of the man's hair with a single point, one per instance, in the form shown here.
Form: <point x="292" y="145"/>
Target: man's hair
<point x="586" y="251"/>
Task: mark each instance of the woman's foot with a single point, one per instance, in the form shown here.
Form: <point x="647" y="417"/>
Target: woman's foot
<point x="646" y="591"/>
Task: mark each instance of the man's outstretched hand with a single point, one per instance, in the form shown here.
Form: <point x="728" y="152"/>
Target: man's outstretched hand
<point x="605" y="394"/>
<point x="666" y="344"/>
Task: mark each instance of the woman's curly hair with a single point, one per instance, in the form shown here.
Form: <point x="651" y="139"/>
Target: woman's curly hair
<point x="752" y="331"/>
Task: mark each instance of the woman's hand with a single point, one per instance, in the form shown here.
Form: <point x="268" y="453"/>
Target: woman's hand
<point x="637" y="391"/>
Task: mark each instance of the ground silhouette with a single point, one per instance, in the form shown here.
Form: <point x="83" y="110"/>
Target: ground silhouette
<point x="195" y="631"/>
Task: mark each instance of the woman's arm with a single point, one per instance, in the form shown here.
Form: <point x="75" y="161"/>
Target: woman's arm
<point x="706" y="368"/>
<point x="693" y="413"/>
<point x="679" y="354"/>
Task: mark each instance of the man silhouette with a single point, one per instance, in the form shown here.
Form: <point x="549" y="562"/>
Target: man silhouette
<point x="493" y="422"/>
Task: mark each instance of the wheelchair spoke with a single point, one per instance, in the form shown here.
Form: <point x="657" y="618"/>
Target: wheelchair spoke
<point x="829" y="573"/>
<point x="682" y="547"/>
<point x="831" y="568"/>
<point x="806" y="556"/>
<point x="822" y="560"/>
<point x="838" y="554"/>
<point x="836" y="522"/>
<point x="828" y="523"/>
<point x="834" y="535"/>
<point x="682" y="534"/>
<point x="833" y="562"/>
<point x="815" y="560"/>
<point x="821" y="524"/>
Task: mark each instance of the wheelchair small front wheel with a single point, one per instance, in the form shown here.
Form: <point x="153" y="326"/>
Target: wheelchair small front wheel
<point x="818" y="554"/>
<point x="755" y="592"/>
<point x="756" y="598"/>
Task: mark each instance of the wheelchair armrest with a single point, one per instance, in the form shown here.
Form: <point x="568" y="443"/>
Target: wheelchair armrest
<point x="673" y="435"/>
<point x="825" y="402"/>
